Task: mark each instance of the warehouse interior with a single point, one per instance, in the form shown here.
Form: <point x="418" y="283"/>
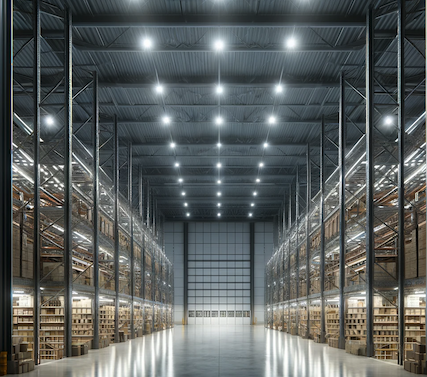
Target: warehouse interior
<point x="213" y="187"/>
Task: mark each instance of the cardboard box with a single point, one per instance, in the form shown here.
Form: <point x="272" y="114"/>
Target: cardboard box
<point x="76" y="350"/>
<point x="23" y="347"/>
<point x="419" y="348"/>
<point x="407" y="365"/>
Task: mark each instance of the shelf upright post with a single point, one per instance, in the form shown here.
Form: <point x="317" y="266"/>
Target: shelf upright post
<point x="95" y="137"/>
<point x="297" y="205"/>
<point x="289" y="255"/>
<point x="370" y="251"/>
<point x="153" y="286"/>
<point x="116" y="229"/>
<point x="322" y="231"/>
<point x="307" y="231"/>
<point x="148" y="208"/>
<point x="6" y="176"/>
<point x="132" y="255"/>
<point x="186" y="273"/>
<point x="141" y="193"/>
<point x="68" y="172"/>
<point x="401" y="16"/>
<point x="36" y="211"/>
<point x="341" y="156"/>
<point x="252" y="269"/>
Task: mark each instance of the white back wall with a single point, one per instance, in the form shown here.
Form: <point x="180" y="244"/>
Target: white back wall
<point x="219" y="262"/>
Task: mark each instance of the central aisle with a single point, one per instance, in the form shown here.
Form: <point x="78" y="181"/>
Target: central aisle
<point x="208" y="351"/>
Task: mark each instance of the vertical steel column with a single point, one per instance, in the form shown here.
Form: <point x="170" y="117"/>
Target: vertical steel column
<point x="95" y="138"/>
<point x="341" y="157"/>
<point x="297" y="194"/>
<point x="153" y="286"/>
<point x="143" y="268"/>
<point x="68" y="200"/>
<point x="132" y="254"/>
<point x="141" y="193"/>
<point x="307" y="247"/>
<point x="6" y="200"/>
<point x="148" y="208"/>
<point x="36" y="211"/>
<point x="370" y="251"/>
<point x="289" y="256"/>
<point x="154" y="214"/>
<point x="322" y="232"/>
<point x="185" y="273"/>
<point x="401" y="16"/>
<point x="116" y="229"/>
<point x="252" y="269"/>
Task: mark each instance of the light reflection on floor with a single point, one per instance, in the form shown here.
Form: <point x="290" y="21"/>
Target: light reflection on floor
<point x="205" y="351"/>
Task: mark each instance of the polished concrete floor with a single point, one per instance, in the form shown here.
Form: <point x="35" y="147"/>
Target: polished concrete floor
<point x="204" y="351"/>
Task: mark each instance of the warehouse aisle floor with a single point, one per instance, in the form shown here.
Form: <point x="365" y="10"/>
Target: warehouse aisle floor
<point x="206" y="351"/>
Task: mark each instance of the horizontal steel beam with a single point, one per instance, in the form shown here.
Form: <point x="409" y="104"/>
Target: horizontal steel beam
<point x="223" y="200"/>
<point x="224" y="144"/>
<point x="213" y="21"/>
<point x="189" y="166"/>
<point x="271" y="48"/>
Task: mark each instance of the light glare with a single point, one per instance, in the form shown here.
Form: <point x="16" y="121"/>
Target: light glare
<point x="147" y="43"/>
<point x="219" y="45"/>
<point x="291" y="42"/>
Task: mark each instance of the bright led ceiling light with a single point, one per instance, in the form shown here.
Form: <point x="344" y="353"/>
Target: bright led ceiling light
<point x="173" y="145"/>
<point x="218" y="145"/>
<point x="166" y="120"/>
<point x="279" y="89"/>
<point x="219" y="204"/>
<point x="261" y="164"/>
<point x="185" y="204"/>
<point x="219" y="89"/>
<point x="219" y="214"/>
<point x="159" y="89"/>
<point x="258" y="180"/>
<point x="180" y="180"/>
<point x="183" y="193"/>
<point x="265" y="145"/>
<point x="49" y="120"/>
<point x="218" y="193"/>
<point x="147" y="43"/>
<point x="219" y="45"/>
<point x="177" y="164"/>
<point x="219" y="121"/>
<point x="218" y="165"/>
<point x="272" y="120"/>
<point x="388" y="120"/>
<point x="218" y="181"/>
<point x="252" y="204"/>
<point x="291" y="43"/>
<point x="188" y="214"/>
<point x="255" y="193"/>
<point x="250" y="214"/>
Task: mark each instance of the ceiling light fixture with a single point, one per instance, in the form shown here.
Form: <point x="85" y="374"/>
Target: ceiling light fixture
<point x="147" y="43"/>
<point x="258" y="180"/>
<point x="291" y="43"/>
<point x="218" y="165"/>
<point x="250" y="214"/>
<point x="279" y="88"/>
<point x="218" y="193"/>
<point x="183" y="193"/>
<point x="218" y="181"/>
<point x="177" y="164"/>
<point x="218" y="145"/>
<point x="166" y="120"/>
<point x="219" y="214"/>
<point x="173" y="145"/>
<point x="272" y="120"/>
<point x="219" y="121"/>
<point x="265" y="145"/>
<point x="255" y="193"/>
<point x="219" y="204"/>
<point x="219" y="45"/>
<point x="252" y="204"/>
<point x="261" y="164"/>
<point x="388" y="120"/>
<point x="219" y="89"/>
<point x="49" y="120"/>
<point x="188" y="214"/>
<point x="185" y="204"/>
<point x="180" y="180"/>
<point x="159" y="89"/>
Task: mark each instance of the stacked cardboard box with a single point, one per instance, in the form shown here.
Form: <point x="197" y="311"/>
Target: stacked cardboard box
<point x="80" y="349"/>
<point x="21" y="360"/>
<point x="355" y="347"/>
<point x="333" y="342"/>
<point x="416" y="359"/>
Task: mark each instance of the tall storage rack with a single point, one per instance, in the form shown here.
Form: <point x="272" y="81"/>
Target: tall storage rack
<point x="338" y="276"/>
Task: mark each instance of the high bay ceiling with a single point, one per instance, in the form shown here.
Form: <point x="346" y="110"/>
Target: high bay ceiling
<point x="278" y="64"/>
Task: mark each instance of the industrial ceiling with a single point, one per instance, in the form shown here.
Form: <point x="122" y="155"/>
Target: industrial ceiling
<point x="221" y="99"/>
